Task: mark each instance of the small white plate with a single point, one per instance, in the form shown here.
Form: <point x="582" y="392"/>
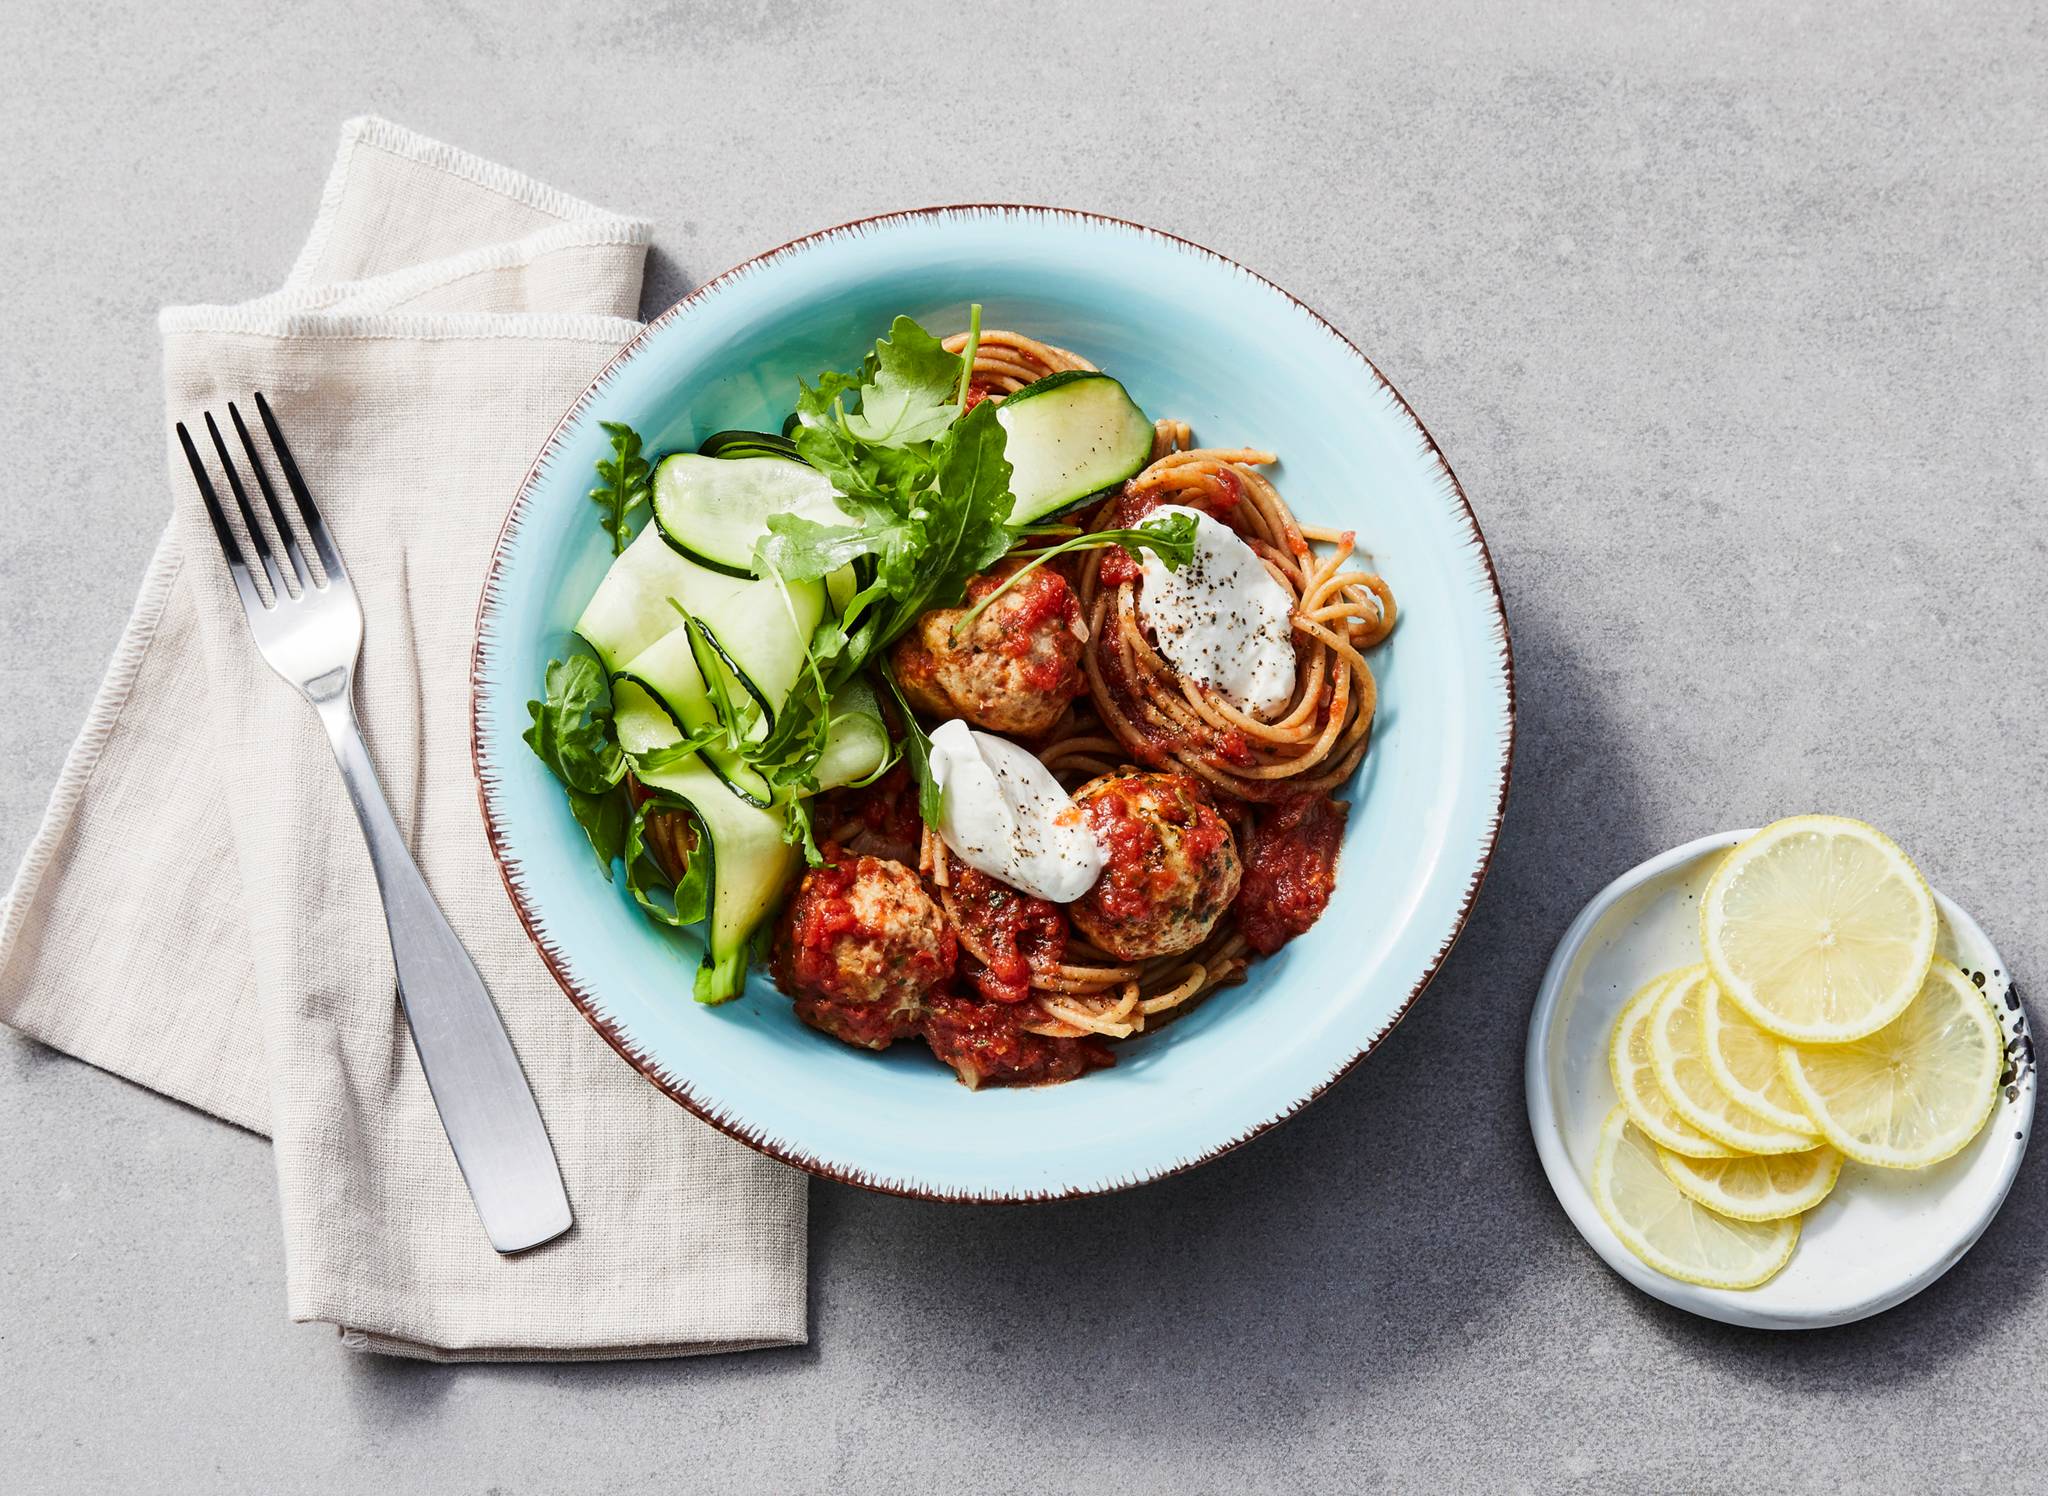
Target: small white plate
<point x="1883" y="1235"/>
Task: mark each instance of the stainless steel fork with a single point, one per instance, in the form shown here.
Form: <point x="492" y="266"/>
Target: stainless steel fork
<point x="309" y="629"/>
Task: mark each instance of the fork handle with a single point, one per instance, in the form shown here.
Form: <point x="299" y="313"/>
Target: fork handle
<point x="486" y="1106"/>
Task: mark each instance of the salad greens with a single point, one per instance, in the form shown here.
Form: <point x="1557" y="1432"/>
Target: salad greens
<point x="930" y="491"/>
<point x="626" y="485"/>
<point x="572" y="733"/>
<point x="675" y="904"/>
<point x="572" y="728"/>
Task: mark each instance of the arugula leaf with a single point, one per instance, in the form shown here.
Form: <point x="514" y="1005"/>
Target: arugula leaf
<point x="1170" y="537"/>
<point x="917" y="750"/>
<point x="949" y="532"/>
<point x="626" y="483"/>
<point x="904" y="396"/>
<point x="798" y="831"/>
<point x="572" y="734"/>
<point x="604" y="820"/>
<point x="907" y="395"/>
<point x="802" y="550"/>
<point x="572" y="729"/>
<point x="670" y="903"/>
<point x="655" y="761"/>
<point x="967" y="524"/>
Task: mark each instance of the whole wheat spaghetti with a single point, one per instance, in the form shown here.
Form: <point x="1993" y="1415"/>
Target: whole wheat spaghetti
<point x="1139" y="709"/>
<point x="1161" y="718"/>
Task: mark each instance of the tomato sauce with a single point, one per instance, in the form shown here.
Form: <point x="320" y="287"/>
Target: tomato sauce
<point x="1119" y="566"/>
<point x="1218" y="503"/>
<point x="1290" y="866"/>
<point x="1014" y="934"/>
<point x="1030" y="603"/>
<point x="1127" y="509"/>
<point x="820" y="913"/>
<point x="985" y="1044"/>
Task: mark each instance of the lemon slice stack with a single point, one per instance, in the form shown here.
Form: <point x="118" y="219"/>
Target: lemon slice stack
<point x="1819" y="1026"/>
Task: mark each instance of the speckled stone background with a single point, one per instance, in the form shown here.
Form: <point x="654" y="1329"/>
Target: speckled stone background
<point x="1731" y="320"/>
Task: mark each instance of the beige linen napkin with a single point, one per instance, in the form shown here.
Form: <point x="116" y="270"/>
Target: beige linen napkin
<point x="197" y="911"/>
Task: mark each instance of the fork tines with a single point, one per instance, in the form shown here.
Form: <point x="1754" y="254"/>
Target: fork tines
<point x="290" y="577"/>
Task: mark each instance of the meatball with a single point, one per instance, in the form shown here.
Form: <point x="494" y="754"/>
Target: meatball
<point x="860" y="947"/>
<point x="1017" y="666"/>
<point x="986" y="1045"/>
<point x="1172" y="865"/>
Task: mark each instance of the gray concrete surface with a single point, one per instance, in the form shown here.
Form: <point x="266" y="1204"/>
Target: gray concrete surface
<point x="1732" y="321"/>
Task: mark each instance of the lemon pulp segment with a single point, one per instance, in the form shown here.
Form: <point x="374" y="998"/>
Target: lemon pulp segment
<point x="1743" y="1060"/>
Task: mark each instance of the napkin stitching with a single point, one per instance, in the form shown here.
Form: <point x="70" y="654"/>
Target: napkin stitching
<point x="255" y="321"/>
<point x="84" y="756"/>
<point x="381" y="134"/>
<point x="405" y="284"/>
<point x="381" y="1344"/>
<point x="494" y="176"/>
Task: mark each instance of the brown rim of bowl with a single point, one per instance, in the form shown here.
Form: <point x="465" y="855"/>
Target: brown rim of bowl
<point x="672" y="1085"/>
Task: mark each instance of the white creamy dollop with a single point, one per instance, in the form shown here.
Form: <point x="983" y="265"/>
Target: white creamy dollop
<point x="1005" y="814"/>
<point x="1221" y="619"/>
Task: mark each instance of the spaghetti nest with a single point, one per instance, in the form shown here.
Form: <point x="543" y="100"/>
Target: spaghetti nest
<point x="1161" y="718"/>
<point x="1140" y="708"/>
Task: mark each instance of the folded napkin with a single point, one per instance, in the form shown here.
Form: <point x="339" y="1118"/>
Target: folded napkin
<point x="197" y="912"/>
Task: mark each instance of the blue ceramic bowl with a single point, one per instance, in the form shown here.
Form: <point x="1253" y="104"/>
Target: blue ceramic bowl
<point x="1191" y="335"/>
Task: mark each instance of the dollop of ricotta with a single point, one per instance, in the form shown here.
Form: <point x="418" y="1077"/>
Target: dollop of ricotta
<point x="1004" y="814"/>
<point x="1221" y="619"/>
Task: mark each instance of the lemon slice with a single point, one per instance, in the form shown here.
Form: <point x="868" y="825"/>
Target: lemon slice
<point x="1635" y="1079"/>
<point x="1756" y="1189"/>
<point x="1819" y="928"/>
<point x="1915" y="1091"/>
<point x="1671" y="1231"/>
<point x="1678" y="1053"/>
<point x="1743" y="1060"/>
